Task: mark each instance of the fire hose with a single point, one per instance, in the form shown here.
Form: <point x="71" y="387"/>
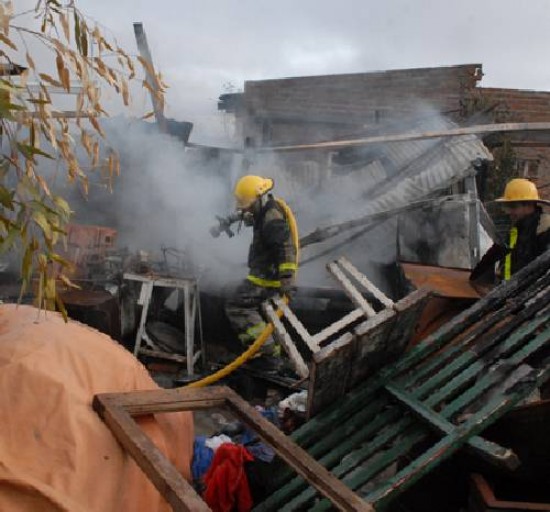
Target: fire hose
<point x="243" y="358"/>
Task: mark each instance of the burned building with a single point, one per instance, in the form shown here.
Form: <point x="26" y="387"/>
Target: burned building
<point x="312" y="109"/>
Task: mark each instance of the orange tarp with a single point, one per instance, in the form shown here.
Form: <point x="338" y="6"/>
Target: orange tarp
<point x="55" y="452"/>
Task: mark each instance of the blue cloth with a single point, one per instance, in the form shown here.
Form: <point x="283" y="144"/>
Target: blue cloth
<point x="253" y="444"/>
<point x="202" y="458"/>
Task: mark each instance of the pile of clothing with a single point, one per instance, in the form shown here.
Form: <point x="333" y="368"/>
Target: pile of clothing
<point x="230" y="470"/>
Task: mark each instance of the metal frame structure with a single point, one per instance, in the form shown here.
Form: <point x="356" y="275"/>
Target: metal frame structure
<point x="191" y="303"/>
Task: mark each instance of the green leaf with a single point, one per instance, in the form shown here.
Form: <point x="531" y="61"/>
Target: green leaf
<point x="9" y="241"/>
<point x="29" y="151"/>
<point x="77" y="31"/>
<point x="62" y="205"/>
<point x="61" y="307"/>
<point x="6" y="105"/>
<point x="84" y="43"/>
<point x="58" y="259"/>
<point x="39" y="102"/>
<point x="26" y="186"/>
<point x="40" y="219"/>
<point x="6" y="197"/>
<point x="26" y="264"/>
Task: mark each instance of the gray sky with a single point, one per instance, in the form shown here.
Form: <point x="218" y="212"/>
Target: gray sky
<point x="203" y="46"/>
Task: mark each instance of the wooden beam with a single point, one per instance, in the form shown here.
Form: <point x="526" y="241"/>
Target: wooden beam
<point x="143" y="47"/>
<point x="367" y="284"/>
<point x="297" y="325"/>
<point x="165" y="477"/>
<point x="283" y="337"/>
<point x="404" y="137"/>
<point x="350" y="290"/>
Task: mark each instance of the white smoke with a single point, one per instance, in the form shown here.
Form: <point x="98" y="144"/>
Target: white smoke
<point x="167" y="196"/>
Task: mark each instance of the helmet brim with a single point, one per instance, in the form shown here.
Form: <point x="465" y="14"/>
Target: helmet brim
<point x="503" y="200"/>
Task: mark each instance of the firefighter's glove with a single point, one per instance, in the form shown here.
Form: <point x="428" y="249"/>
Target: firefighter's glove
<point x="288" y="286"/>
<point x="484" y="270"/>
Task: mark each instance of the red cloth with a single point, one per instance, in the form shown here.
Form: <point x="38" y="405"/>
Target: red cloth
<point x="226" y="482"/>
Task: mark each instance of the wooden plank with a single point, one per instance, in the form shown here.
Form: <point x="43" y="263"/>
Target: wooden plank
<point x="163" y="355"/>
<point x="403" y="137"/>
<point x="143" y="47"/>
<point x="342" y="413"/>
<point x="486" y="449"/>
<point x="350" y="290"/>
<point x="164" y="476"/>
<point x="286" y="341"/>
<point x="491" y="503"/>
<point x="326" y="483"/>
<point x="430" y="458"/>
<point x="370" y="346"/>
<point x="297" y="325"/>
<point x="330" y="370"/>
<point x="366" y="283"/>
<point x="148" y="401"/>
<point x="338" y="326"/>
<point x="497" y="299"/>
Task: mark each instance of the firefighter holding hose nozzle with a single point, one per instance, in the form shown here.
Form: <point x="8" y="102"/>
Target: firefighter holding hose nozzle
<point x="272" y="259"/>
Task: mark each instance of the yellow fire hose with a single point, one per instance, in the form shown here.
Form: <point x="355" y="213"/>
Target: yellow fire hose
<point x="243" y="358"/>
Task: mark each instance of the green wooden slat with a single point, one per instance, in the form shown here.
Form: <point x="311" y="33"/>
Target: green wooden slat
<point x="435" y="455"/>
<point x="418" y="374"/>
<point x="352" y="461"/>
<point x="335" y="412"/>
<point x="449" y="379"/>
<point x="486" y="381"/>
<point x="449" y="360"/>
<point x="363" y="415"/>
<point x="517" y="304"/>
<point x="486" y="449"/>
<point x="444" y="448"/>
<point x="319" y="425"/>
<point x="476" y="366"/>
<point x="385" y="419"/>
<point x="489" y="379"/>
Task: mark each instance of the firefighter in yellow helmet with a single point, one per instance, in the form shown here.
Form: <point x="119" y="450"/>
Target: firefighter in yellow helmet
<point x="272" y="258"/>
<point x="529" y="235"/>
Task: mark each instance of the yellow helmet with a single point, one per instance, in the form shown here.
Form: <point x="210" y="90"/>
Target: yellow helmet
<point x="249" y="188"/>
<point x="519" y="189"/>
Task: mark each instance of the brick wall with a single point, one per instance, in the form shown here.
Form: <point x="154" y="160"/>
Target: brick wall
<point x="531" y="149"/>
<point x="307" y="109"/>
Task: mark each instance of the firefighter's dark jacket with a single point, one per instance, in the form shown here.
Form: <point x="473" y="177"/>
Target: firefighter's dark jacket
<point x="533" y="240"/>
<point x="272" y="254"/>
